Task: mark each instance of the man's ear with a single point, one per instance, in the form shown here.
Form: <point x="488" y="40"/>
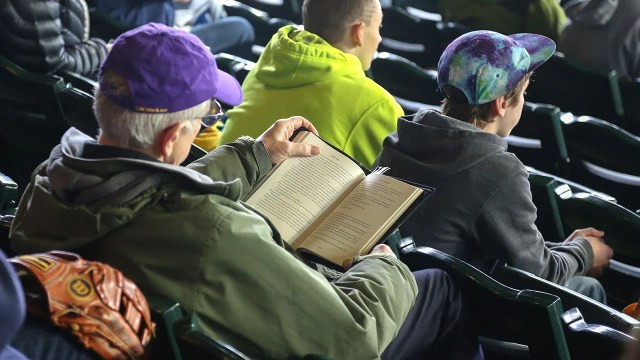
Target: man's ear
<point x="499" y="106"/>
<point x="167" y="140"/>
<point x="357" y="33"/>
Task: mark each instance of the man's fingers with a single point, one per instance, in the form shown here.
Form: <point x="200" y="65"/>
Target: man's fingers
<point x="303" y="150"/>
<point x="299" y="121"/>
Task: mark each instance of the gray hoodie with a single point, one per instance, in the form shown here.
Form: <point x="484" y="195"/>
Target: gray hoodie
<point x="482" y="210"/>
<point x="604" y="34"/>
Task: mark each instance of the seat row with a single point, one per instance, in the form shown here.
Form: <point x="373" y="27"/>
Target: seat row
<point x="518" y="315"/>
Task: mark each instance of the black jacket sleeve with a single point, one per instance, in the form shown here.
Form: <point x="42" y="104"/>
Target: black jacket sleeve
<point x="47" y="36"/>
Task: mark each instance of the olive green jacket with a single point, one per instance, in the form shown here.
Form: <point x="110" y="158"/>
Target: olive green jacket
<point x="183" y="232"/>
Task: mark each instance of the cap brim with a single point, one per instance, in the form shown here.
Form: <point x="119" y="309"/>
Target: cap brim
<point x="10" y="353"/>
<point x="539" y="47"/>
<point x="229" y="89"/>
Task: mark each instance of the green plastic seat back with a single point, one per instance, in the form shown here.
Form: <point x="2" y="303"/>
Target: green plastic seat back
<point x="234" y="65"/>
<point x="593" y="312"/>
<point x="538" y="140"/>
<point x="604" y="338"/>
<point x="263" y="22"/>
<point x="410" y="36"/>
<point x="288" y="9"/>
<point x="405" y="79"/>
<point x="507" y="320"/>
<point x="574" y="88"/>
<point x="604" y="157"/>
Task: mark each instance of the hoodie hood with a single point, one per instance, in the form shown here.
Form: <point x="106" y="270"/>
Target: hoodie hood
<point x="298" y="63"/>
<point x="76" y="200"/>
<point x="460" y="145"/>
<point x="591" y="13"/>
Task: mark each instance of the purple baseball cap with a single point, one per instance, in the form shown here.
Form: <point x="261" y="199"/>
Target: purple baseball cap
<point x="167" y="70"/>
<point x="485" y="65"/>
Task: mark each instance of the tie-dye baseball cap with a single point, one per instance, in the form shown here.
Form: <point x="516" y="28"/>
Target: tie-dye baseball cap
<point x="485" y="65"/>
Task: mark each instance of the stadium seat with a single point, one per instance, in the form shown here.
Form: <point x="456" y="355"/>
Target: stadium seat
<point x="265" y="26"/>
<point x="631" y="100"/>
<point x="538" y="140"/>
<point x="165" y="313"/>
<point x="594" y="341"/>
<point x="563" y="207"/>
<point x="194" y="344"/>
<point x="410" y="36"/>
<point x="178" y="334"/>
<point x="430" y="6"/>
<point x="511" y="323"/>
<point x="412" y="86"/>
<point x="285" y="9"/>
<point x="574" y="88"/>
<point x="8" y="204"/>
<point x="234" y="65"/>
<point x="35" y="111"/>
<point x="592" y="311"/>
<point x="604" y="157"/>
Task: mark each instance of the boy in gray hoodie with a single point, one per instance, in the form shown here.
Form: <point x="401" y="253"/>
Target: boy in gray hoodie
<point x="482" y="211"/>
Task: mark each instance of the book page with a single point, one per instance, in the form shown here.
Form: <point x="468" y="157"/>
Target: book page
<point x="300" y="189"/>
<point x="357" y="224"/>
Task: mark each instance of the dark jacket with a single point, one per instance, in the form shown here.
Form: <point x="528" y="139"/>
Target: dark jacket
<point x="47" y="36"/>
<point x="604" y="34"/>
<point x="482" y="210"/>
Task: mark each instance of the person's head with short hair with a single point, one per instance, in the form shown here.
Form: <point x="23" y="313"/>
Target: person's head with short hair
<point x="155" y="89"/>
<point x="484" y="74"/>
<point x="352" y="26"/>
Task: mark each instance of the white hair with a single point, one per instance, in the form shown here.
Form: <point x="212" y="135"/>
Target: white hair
<point x="136" y="130"/>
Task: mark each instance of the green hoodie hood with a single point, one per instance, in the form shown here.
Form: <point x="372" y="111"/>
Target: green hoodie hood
<point x="302" y="58"/>
<point x="301" y="74"/>
<point x="75" y="200"/>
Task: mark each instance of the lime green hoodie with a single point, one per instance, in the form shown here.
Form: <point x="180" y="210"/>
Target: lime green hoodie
<point x="301" y="74"/>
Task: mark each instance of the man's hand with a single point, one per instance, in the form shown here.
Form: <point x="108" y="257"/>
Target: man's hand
<point x="584" y="233"/>
<point x="381" y="249"/>
<point x="276" y="139"/>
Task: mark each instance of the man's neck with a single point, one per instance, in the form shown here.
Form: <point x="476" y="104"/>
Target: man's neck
<point x="104" y="140"/>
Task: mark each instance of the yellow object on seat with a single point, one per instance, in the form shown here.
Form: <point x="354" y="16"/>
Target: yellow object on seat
<point x="209" y="138"/>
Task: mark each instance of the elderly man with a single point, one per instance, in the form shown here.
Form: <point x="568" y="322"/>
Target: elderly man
<point x="183" y="231"/>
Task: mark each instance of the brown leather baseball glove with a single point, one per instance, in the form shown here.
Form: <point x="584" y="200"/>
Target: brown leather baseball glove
<point x="102" y="308"/>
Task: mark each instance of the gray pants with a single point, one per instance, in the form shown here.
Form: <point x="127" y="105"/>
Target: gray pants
<point x="587" y="286"/>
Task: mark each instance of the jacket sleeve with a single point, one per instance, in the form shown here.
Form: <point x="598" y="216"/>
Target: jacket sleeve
<point x="364" y="142"/>
<point x="244" y="160"/>
<point x="49" y="36"/>
<point x="354" y="317"/>
<point x="505" y="227"/>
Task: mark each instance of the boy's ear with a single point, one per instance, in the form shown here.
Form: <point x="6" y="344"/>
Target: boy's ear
<point x="357" y="33"/>
<point x="499" y="106"/>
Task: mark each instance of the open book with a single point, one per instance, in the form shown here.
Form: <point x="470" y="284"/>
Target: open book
<point x="327" y="204"/>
